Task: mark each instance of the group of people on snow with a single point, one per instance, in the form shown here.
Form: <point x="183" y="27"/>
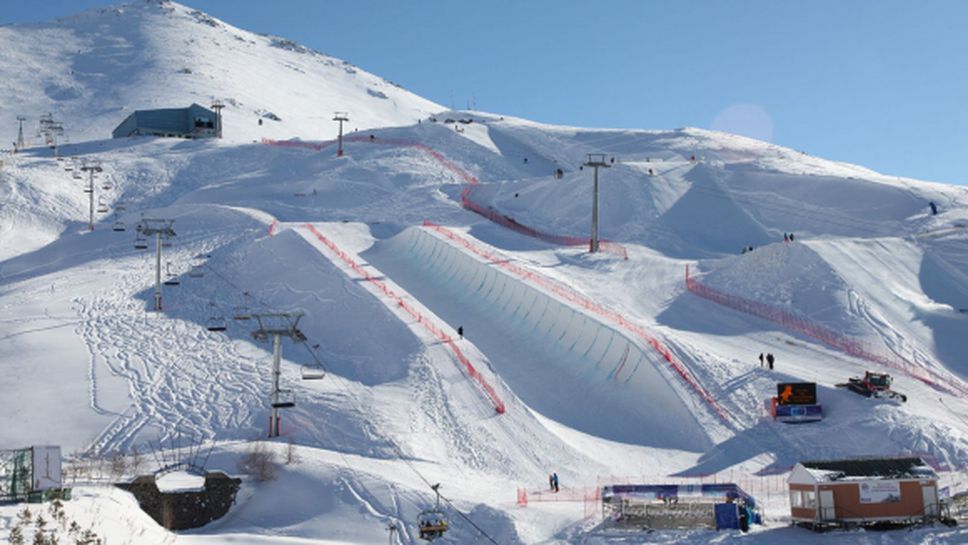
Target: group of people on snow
<point x="769" y="360"/>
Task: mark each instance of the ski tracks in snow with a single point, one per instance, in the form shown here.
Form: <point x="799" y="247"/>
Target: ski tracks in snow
<point x="182" y="380"/>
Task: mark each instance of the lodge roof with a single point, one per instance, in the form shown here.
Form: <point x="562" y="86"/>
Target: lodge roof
<point x="884" y="468"/>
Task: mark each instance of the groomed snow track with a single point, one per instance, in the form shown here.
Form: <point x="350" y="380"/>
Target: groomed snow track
<point x="547" y="350"/>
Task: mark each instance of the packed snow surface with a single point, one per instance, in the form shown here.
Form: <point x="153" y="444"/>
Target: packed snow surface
<point x="603" y="368"/>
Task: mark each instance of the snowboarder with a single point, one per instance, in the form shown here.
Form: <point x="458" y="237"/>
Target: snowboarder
<point x="554" y="479"/>
<point x="460" y="331"/>
<point x="769" y="360"/>
<point x="761" y="359"/>
<point x="934" y="208"/>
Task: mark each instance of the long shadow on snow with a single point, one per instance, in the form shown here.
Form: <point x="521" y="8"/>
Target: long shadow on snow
<point x="940" y="280"/>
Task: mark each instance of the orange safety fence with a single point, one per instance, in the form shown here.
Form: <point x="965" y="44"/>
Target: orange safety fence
<point x="471" y="181"/>
<point x="831" y="338"/>
<point x="437" y="331"/>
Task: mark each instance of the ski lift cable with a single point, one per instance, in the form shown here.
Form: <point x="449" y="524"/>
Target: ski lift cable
<point x="339" y="382"/>
<point x="402" y="456"/>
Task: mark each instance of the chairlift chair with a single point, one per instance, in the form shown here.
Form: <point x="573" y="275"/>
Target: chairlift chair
<point x="118" y="226"/>
<point x="242" y="312"/>
<point x="101" y="207"/>
<point x="432" y="523"/>
<point x="215" y="322"/>
<point x="107" y="185"/>
<point x="87" y="189"/>
<point x="171" y="278"/>
<point x="286" y="400"/>
<point x="77" y="175"/>
<point x="120" y="206"/>
<point x="196" y="271"/>
<point x="140" y="243"/>
<point x="312" y="373"/>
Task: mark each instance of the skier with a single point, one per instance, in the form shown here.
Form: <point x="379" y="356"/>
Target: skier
<point x="460" y="331"/>
<point x="769" y="360"/>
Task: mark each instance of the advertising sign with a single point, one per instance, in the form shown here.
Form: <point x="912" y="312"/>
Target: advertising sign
<point x="796" y="393"/>
<point x="880" y="492"/>
<point x="47" y="468"/>
<point x="798" y="413"/>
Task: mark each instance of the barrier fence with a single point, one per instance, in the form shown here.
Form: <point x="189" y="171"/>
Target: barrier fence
<point x="436" y="331"/>
<point x="574" y="297"/>
<point x="834" y="339"/>
<point x="465" y="197"/>
<point x="771" y="492"/>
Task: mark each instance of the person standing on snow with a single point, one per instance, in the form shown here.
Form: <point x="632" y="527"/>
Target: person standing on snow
<point x="761" y="359"/>
<point x="554" y="477"/>
<point x="460" y="331"/>
<point x="769" y="360"/>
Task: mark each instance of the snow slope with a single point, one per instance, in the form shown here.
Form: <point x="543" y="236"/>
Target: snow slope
<point x="608" y="369"/>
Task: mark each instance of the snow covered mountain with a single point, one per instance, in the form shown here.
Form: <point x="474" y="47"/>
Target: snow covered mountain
<point x="93" y="69"/>
<point x="603" y="368"/>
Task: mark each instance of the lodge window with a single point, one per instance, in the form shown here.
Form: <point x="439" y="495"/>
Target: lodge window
<point x="810" y="499"/>
<point x="796" y="498"/>
<point x="204" y="122"/>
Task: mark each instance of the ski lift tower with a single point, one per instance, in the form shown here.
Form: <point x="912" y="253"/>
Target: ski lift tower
<point x="91" y="170"/>
<point x="161" y="228"/>
<point x="596" y="161"/>
<point x="277" y="325"/>
<point x="217" y="106"/>
<point x="341" y="117"/>
<point x="20" y="134"/>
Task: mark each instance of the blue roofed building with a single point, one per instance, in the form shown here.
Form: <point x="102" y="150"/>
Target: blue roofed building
<point x="192" y="122"/>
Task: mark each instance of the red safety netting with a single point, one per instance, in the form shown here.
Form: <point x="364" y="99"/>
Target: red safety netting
<point x="572" y="296"/>
<point x="800" y="324"/>
<point x="437" y="331"/>
<point x="465" y="197"/>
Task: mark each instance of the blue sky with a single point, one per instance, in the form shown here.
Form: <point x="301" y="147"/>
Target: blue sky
<point x="878" y="83"/>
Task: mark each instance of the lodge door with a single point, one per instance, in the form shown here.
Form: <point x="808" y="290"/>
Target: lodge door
<point x="930" y="495"/>
<point x="826" y="506"/>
